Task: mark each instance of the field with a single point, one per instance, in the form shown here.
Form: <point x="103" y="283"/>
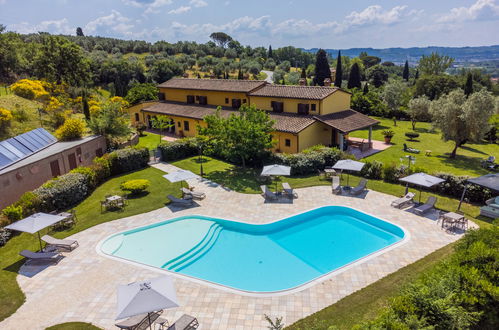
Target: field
<point x="25" y="112"/>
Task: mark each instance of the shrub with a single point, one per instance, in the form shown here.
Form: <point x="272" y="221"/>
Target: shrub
<point x="63" y="192"/>
<point x="412" y="135"/>
<point x="372" y="170"/>
<point x="388" y="133"/>
<point x="5" y="117"/>
<point x="310" y="160"/>
<point x="135" y="186"/>
<point x="128" y="159"/>
<point x="30" y="89"/>
<point x="13" y="212"/>
<point x="89" y="174"/>
<point x="178" y="149"/>
<point x="140" y="128"/>
<point x="102" y="168"/>
<point x="454" y="186"/>
<point x="4" y="236"/>
<point x="72" y="129"/>
<point x="30" y="203"/>
<point x="392" y="172"/>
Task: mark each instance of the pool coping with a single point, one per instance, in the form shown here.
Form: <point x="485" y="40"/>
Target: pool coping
<point x="301" y="287"/>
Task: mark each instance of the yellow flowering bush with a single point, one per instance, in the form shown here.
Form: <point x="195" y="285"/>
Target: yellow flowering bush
<point x="94" y="106"/>
<point x="73" y="128"/>
<point x="53" y="104"/>
<point x="119" y="100"/>
<point x="30" y="89"/>
<point x="5" y="116"/>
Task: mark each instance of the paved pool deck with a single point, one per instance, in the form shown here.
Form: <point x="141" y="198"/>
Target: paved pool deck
<point x="82" y="287"/>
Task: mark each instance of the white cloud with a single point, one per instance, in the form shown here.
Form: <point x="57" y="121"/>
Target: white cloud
<point x="198" y="3"/>
<point x="180" y="10"/>
<point x="2" y="2"/>
<point x="53" y="26"/>
<point x="153" y="7"/>
<point x="113" y="22"/>
<point x="480" y="10"/>
<point x="376" y="15"/>
<point x="133" y="3"/>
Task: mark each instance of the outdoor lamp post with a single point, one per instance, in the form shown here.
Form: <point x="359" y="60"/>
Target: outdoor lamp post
<point x="410" y="160"/>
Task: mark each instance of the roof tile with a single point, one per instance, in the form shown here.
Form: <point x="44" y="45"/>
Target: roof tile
<point x="295" y="92"/>
<point x="347" y="120"/>
<point x="225" y="85"/>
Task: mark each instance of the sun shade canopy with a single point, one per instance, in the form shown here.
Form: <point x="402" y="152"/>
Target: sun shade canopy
<point x="35" y="222"/>
<point x="276" y="169"/>
<point x="180" y="175"/>
<point x="348" y="165"/>
<point x="490" y="181"/>
<point x="146" y="297"/>
<point x="422" y="179"/>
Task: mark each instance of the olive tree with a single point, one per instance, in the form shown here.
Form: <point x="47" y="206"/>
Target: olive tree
<point x="463" y="119"/>
<point x="419" y="109"/>
<point x="393" y="94"/>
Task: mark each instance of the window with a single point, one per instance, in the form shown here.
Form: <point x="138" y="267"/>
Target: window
<point x="312" y="107"/>
<point x="54" y="167"/>
<point x="197" y="97"/>
<point x="203" y="100"/>
<point x="136" y="117"/>
<point x="277" y="106"/>
<point x="98" y="153"/>
<point x="186" y="125"/>
<point x="287" y="143"/>
<point x="302" y="109"/>
<point x="161" y="96"/>
<point x="244" y="100"/>
<point x="236" y="103"/>
<point x="179" y="124"/>
<point x="190" y="98"/>
<point x="226" y="100"/>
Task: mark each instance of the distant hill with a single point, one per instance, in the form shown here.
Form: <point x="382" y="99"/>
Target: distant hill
<point x="399" y="55"/>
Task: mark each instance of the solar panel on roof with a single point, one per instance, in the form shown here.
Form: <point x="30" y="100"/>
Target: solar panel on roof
<point x="14" y="149"/>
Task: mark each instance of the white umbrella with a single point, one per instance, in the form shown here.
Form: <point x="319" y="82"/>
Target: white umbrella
<point x="348" y="165"/>
<point x="146" y="297"/>
<point x="275" y="170"/>
<point x="180" y="175"/>
<point x="34" y="223"/>
<point x="422" y="180"/>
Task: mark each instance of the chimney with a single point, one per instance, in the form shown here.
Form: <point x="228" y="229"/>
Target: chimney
<point x="302" y="82"/>
<point x="327" y="82"/>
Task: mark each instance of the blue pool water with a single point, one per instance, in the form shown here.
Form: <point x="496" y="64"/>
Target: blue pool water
<point x="257" y="258"/>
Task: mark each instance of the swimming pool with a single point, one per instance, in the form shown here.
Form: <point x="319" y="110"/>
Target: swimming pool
<point x="257" y="258"/>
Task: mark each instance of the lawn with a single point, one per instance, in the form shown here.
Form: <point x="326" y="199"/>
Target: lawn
<point x="467" y="161"/>
<point x="149" y="141"/>
<point x="73" y="326"/>
<point x="89" y="214"/>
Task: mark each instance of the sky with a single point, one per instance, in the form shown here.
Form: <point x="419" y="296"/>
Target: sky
<point x="308" y="24"/>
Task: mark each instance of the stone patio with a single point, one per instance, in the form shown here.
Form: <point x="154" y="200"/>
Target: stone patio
<point x="82" y="287"/>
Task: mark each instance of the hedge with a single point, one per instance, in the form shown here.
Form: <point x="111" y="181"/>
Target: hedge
<point x="178" y="149"/>
<point x="128" y="159"/>
<point x="135" y="186"/>
<point x="62" y="192"/>
<point x="309" y="161"/>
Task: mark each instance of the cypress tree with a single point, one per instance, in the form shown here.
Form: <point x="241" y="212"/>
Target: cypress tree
<point x="416" y="76"/>
<point x="240" y="75"/>
<point x="339" y="71"/>
<point x="405" y="74"/>
<point x="366" y="89"/>
<point x="86" y="108"/>
<point x="354" y="80"/>
<point x="468" y="86"/>
<point x="270" y="55"/>
<point x="322" y="70"/>
<point x="303" y="73"/>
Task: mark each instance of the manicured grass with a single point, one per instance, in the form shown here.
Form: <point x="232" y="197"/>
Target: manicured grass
<point x="467" y="161"/>
<point x="73" y="326"/>
<point x="365" y="304"/>
<point x="89" y="214"/>
<point x="149" y="141"/>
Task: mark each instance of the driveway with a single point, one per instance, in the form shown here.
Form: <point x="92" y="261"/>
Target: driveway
<point x="270" y="76"/>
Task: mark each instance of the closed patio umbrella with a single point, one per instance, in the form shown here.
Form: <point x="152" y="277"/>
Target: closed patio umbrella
<point x="348" y="165"/>
<point x="422" y="180"/>
<point x="276" y="170"/>
<point x="180" y="175"/>
<point x="146" y="297"/>
<point x="34" y="223"/>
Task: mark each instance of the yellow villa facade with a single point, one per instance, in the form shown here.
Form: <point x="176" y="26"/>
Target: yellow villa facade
<point x="304" y="115"/>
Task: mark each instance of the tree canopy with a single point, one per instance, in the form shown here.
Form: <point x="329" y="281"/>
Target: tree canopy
<point x="419" y="109"/>
<point x="141" y="93"/>
<point x="339" y="71"/>
<point x="434" y="64"/>
<point x="221" y="38"/>
<point x="354" y="79"/>
<point x="322" y="70"/>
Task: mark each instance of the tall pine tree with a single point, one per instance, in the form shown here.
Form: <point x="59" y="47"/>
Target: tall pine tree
<point x="405" y="74"/>
<point x="86" y="108"/>
<point x="322" y="70"/>
<point x="354" y="79"/>
<point x="468" y="86"/>
<point x="270" y="55"/>
<point x="303" y="73"/>
<point x="366" y="88"/>
<point x="339" y="71"/>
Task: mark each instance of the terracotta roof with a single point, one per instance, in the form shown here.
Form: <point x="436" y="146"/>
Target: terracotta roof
<point x="347" y="120"/>
<point x="284" y="122"/>
<point x="295" y="92"/>
<point x="225" y="85"/>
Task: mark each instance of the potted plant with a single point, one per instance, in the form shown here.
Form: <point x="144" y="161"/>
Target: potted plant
<point x="388" y="135"/>
<point x="412" y="135"/>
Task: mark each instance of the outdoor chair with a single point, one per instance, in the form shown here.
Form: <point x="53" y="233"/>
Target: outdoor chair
<point x="267" y="193"/>
<point x="360" y="187"/>
<point x="41" y="256"/>
<point x="104" y="205"/>
<point x="411" y="150"/>
<point x="335" y="185"/>
<point x="403" y="201"/>
<point x="489" y="163"/>
<point x="430" y="203"/>
<point x="180" y="201"/>
<point x="193" y="194"/>
<point x="139" y="322"/>
<point x="64" y="244"/>
<point x="288" y="191"/>
<point x="185" y="322"/>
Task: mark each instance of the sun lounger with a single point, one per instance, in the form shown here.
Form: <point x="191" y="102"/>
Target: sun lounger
<point x="66" y="244"/>
<point x="403" y="201"/>
<point x="180" y="201"/>
<point x="41" y="256"/>
<point x="430" y="203"/>
<point x="185" y="322"/>
<point x="489" y="212"/>
<point x="360" y="187"/>
<point x="139" y="322"/>
<point x="266" y="193"/>
<point x="288" y="191"/>
<point x="409" y="149"/>
<point x="335" y="185"/>
<point x="193" y="194"/>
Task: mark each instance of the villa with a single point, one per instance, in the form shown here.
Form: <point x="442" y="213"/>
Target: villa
<point x="304" y="115"/>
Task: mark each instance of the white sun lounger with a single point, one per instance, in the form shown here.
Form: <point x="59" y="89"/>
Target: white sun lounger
<point x="266" y="193"/>
<point x="335" y="185"/>
<point x="422" y="209"/>
<point x="180" y="201"/>
<point x="66" y="244"/>
<point x="193" y="194"/>
<point x="403" y="201"/>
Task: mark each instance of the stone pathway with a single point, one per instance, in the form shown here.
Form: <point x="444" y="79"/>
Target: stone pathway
<point x="82" y="287"/>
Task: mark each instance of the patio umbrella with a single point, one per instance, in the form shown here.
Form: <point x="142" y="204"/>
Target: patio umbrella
<point x="348" y="165"/>
<point x="422" y="180"/>
<point x="146" y="297"/>
<point x="34" y="223"/>
<point x="276" y="170"/>
<point x="490" y="181"/>
<point x="180" y="175"/>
